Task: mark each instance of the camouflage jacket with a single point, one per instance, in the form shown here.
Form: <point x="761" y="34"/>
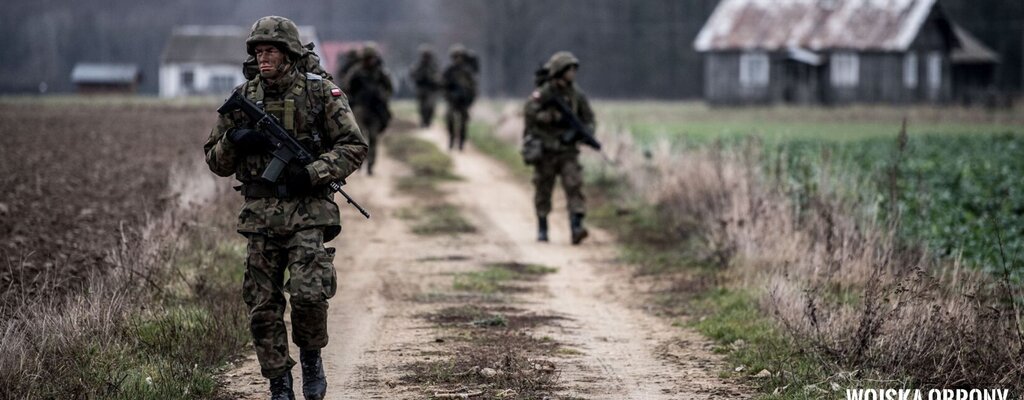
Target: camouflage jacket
<point x="424" y="75"/>
<point x="368" y="88"/>
<point x="544" y="122"/>
<point x="317" y="113"/>
<point x="459" y="84"/>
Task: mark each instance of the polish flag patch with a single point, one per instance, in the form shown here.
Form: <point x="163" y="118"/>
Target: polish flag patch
<point x="336" y="92"/>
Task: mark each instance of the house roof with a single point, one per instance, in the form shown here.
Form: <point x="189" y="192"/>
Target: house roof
<point x="883" y="25"/>
<point x="105" y="73"/>
<point x="217" y="44"/>
<point x="971" y="50"/>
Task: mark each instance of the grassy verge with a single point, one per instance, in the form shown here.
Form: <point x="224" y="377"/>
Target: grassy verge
<point x="486" y="345"/>
<point x="481" y="137"/>
<point x="437" y="219"/>
<point x="702" y="297"/>
<point x="497" y="277"/>
<point x="164" y="334"/>
<point x="751" y="341"/>
<point x="430" y="167"/>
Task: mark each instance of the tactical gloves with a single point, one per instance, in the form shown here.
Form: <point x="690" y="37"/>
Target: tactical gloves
<point x="298" y="180"/>
<point x="248" y="140"/>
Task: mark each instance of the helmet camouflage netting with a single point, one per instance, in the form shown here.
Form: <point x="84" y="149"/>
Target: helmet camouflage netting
<point x="280" y="31"/>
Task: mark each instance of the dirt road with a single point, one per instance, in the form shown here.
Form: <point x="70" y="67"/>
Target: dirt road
<point x="389" y="278"/>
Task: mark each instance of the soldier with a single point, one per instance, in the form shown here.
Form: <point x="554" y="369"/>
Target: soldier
<point x="459" y="83"/>
<point x="347" y="61"/>
<point x="425" y="76"/>
<point x="544" y="148"/>
<point x="369" y="86"/>
<point x="287" y="223"/>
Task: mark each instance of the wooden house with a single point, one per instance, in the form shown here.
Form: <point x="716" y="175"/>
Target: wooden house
<point x="828" y="52"/>
<point x="100" y="78"/>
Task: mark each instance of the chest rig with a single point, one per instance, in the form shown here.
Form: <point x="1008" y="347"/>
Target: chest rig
<point x="297" y="110"/>
<point x="300" y="113"/>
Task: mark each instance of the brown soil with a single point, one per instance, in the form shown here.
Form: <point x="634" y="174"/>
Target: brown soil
<point x="393" y="283"/>
<point x="78" y="182"/>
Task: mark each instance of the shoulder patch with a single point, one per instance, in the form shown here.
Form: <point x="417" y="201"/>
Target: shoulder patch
<point x="335" y="92"/>
<point x="313" y="77"/>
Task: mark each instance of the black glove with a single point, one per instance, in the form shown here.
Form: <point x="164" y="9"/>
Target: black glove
<point x="248" y="140"/>
<point x="298" y="181"/>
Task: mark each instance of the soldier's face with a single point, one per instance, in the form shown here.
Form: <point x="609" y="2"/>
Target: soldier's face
<point x="270" y="60"/>
<point x="570" y="74"/>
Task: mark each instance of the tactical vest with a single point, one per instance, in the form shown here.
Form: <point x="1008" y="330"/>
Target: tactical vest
<point x="300" y="112"/>
<point x="551" y="137"/>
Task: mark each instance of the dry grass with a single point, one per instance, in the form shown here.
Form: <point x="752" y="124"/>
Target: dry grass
<point x="143" y="325"/>
<point x="834" y="277"/>
<point x="849" y="295"/>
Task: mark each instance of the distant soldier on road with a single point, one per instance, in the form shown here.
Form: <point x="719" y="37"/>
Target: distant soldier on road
<point x="545" y="147"/>
<point x="425" y="75"/>
<point x="369" y="87"/>
<point x="460" y="89"/>
<point x="346" y="61"/>
<point x="288" y="222"/>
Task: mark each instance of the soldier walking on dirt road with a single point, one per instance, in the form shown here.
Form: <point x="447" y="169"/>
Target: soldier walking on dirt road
<point x="426" y="78"/>
<point x="544" y="146"/>
<point x="369" y="87"/>
<point x="287" y="222"/>
<point x="459" y="84"/>
<point x="346" y="61"/>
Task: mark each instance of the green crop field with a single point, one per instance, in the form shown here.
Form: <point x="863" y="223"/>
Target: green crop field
<point x="695" y="121"/>
<point x="957" y="185"/>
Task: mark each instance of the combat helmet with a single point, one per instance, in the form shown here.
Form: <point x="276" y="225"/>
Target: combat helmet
<point x="277" y="30"/>
<point x="370" y="50"/>
<point x="457" y="49"/>
<point x="559" y="62"/>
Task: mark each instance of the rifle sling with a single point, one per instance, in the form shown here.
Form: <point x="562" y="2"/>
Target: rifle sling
<point x="257" y="190"/>
<point x="261" y="190"/>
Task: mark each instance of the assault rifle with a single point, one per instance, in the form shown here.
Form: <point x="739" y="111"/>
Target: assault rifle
<point x="285" y="148"/>
<point x="578" y="132"/>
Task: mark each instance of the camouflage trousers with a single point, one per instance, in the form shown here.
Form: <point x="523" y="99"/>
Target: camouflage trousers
<point x="427" y="102"/>
<point x="371" y="128"/>
<point x="312" y="281"/>
<point x="546" y="170"/>
<point x="457" y="119"/>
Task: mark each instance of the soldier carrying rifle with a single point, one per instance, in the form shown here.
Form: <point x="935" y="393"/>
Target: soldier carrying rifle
<point x="289" y="210"/>
<point x="558" y="117"/>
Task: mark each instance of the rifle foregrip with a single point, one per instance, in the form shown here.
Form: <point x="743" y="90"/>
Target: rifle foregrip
<point x="274" y="170"/>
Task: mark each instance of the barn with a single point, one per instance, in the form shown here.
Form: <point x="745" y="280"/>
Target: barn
<point x="832" y="52"/>
<point x="207" y="60"/>
<point x="102" y="78"/>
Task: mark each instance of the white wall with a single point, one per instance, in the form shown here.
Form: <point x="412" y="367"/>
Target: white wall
<point x="203" y="74"/>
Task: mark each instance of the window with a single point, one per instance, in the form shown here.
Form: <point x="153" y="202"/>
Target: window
<point x="910" y="70"/>
<point x="845" y="69"/>
<point x="221" y="83"/>
<point x="754" y="69"/>
<point x="188" y="79"/>
<point x="934" y="70"/>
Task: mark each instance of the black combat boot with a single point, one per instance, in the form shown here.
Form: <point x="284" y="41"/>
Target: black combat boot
<point x="314" y="381"/>
<point x="578" y="231"/>
<point x="542" y="229"/>
<point x="281" y="387"/>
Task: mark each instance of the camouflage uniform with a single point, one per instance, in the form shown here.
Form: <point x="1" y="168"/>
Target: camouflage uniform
<point x="460" y="90"/>
<point x="426" y="78"/>
<point x="347" y="61"/>
<point x="369" y="86"/>
<point x="545" y="124"/>
<point x="287" y="231"/>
